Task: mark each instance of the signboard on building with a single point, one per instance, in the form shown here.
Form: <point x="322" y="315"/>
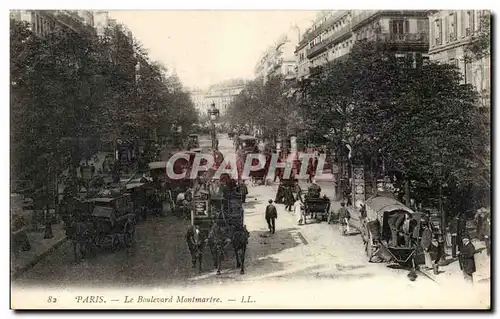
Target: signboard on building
<point x="358" y="177"/>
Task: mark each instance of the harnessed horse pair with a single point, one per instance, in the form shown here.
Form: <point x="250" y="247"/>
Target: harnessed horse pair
<point x="217" y="240"/>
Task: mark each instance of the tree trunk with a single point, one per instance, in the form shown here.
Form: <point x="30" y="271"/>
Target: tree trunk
<point x="374" y="176"/>
<point x="340" y="175"/>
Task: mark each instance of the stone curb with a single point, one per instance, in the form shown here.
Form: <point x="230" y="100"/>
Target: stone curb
<point x="20" y="270"/>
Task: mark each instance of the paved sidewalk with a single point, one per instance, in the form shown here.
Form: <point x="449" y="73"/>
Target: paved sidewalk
<point x="40" y="248"/>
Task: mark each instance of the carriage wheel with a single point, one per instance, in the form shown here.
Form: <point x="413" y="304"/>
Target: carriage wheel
<point x="115" y="243"/>
<point x="128" y="235"/>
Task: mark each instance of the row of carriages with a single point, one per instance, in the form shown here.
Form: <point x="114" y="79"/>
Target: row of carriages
<point x="107" y="218"/>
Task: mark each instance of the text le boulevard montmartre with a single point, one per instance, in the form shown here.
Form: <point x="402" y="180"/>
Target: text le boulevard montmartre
<point x="181" y="299"/>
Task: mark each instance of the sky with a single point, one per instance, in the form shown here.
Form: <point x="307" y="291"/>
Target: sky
<point x="207" y="47"/>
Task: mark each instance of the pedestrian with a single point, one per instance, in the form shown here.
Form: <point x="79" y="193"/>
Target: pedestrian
<point x="244" y="191"/>
<point x="439" y="254"/>
<point x="486" y="233"/>
<point x="314" y="191"/>
<point x="409" y="225"/>
<point x="298" y="208"/>
<point x="426" y="243"/>
<point x="344" y="218"/>
<point x="289" y="198"/>
<point x="92" y="170"/>
<point x="395" y="222"/>
<point x="271" y="216"/>
<point x="362" y="211"/>
<point x="466" y="257"/>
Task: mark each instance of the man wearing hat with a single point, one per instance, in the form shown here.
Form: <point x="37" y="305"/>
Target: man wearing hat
<point x="271" y="216"/>
<point x="314" y="191"/>
<point x="466" y="257"/>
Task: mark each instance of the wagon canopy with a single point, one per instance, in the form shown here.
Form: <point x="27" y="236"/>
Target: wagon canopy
<point x="247" y="138"/>
<point x="377" y="206"/>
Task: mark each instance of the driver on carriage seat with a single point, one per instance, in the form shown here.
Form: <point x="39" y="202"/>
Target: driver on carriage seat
<point x="314" y="191"/>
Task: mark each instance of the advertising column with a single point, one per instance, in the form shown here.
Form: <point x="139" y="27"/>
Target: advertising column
<point x="358" y="186"/>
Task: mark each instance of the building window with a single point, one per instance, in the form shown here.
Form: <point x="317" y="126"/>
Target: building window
<point x="421" y="26"/>
<point x="439" y="32"/>
<point x="452" y="28"/>
<point x="399" y="26"/>
<point x="469" y="24"/>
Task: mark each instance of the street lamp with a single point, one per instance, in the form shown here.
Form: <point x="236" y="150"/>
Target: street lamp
<point x="214" y="114"/>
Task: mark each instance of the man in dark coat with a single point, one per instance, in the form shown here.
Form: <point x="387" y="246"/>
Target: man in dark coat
<point x="271" y="216"/>
<point x="314" y="191"/>
<point x="466" y="257"/>
<point x="289" y="199"/>
<point x="244" y="191"/>
<point x="457" y="228"/>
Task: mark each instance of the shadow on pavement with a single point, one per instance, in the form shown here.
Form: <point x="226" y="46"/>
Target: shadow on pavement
<point x="251" y="203"/>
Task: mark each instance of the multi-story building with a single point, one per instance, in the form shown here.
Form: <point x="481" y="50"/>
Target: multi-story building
<point x="334" y="33"/>
<point x="198" y="98"/>
<point x="261" y="66"/>
<point x="221" y="95"/>
<point x="101" y="21"/>
<point x="42" y="22"/>
<point x="451" y="31"/>
<point x="279" y="59"/>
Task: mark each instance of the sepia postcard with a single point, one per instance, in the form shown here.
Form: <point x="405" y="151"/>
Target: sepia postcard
<point x="320" y="159"/>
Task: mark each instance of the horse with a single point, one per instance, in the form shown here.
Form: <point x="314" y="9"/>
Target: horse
<point x="218" y="242"/>
<point x="196" y="245"/>
<point x="240" y="242"/>
<point x="82" y="234"/>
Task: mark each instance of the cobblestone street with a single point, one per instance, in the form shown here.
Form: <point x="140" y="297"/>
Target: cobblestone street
<point x="316" y="254"/>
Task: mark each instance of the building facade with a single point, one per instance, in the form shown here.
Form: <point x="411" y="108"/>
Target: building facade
<point x="198" y="98"/>
<point x="101" y="21"/>
<point x="279" y="59"/>
<point x="451" y="31"/>
<point x="42" y="22"/>
<point x="221" y="95"/>
<point x="334" y="33"/>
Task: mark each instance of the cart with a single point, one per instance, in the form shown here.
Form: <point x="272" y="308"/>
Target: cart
<point x="376" y="233"/>
<point x="317" y="208"/>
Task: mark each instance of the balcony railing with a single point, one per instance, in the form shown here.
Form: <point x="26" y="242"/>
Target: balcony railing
<point x="368" y="14"/>
<point x="320" y="47"/>
<point x="405" y="38"/>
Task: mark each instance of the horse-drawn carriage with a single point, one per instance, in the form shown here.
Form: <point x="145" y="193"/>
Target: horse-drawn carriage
<point x="317" y="207"/>
<point x="217" y="219"/>
<point x="109" y="222"/>
<point x="377" y="232"/>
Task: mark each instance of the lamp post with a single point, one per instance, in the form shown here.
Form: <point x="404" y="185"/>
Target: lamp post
<point x="214" y="115"/>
